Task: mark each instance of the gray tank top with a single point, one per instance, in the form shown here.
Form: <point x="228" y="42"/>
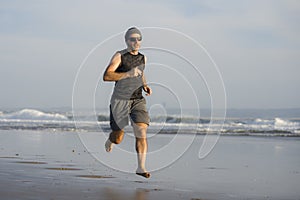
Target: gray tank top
<point x="129" y="88"/>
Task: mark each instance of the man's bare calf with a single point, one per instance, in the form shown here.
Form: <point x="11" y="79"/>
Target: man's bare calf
<point x="115" y="137"/>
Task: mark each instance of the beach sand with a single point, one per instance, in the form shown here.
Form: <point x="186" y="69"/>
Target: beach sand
<point x="56" y="165"/>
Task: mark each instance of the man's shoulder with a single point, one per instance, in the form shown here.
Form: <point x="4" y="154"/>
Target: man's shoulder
<point x="122" y="52"/>
<point x="141" y="54"/>
<point x="125" y="52"/>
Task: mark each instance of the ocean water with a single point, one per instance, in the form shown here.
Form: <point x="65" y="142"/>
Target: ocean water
<point x="247" y="122"/>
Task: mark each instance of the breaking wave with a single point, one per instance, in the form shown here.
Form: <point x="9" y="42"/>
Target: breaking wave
<point x="30" y="119"/>
<point x="30" y="114"/>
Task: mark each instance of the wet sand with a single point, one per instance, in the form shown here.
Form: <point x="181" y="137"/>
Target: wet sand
<point x="56" y="165"/>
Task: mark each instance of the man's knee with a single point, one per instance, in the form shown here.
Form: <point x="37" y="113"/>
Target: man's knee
<point x="140" y="130"/>
<point x="116" y="136"/>
<point x="141" y="125"/>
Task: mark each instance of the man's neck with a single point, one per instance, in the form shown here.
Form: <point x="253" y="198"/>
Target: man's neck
<point x="133" y="52"/>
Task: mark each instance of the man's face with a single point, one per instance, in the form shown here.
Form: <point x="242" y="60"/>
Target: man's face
<point x="134" y="42"/>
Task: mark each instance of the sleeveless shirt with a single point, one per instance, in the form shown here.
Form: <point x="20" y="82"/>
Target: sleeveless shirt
<point x="129" y="88"/>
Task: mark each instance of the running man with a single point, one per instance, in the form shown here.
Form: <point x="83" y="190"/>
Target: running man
<point x="126" y="68"/>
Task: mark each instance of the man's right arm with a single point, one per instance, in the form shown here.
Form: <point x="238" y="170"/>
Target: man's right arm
<point x="110" y="73"/>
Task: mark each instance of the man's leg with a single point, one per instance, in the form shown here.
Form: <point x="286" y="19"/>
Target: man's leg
<point x="115" y="137"/>
<point x="140" y="132"/>
<point x="118" y="120"/>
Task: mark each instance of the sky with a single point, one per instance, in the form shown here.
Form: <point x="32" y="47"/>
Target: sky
<point x="255" y="44"/>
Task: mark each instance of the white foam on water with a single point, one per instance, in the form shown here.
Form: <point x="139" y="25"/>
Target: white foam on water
<point x="87" y="121"/>
<point x="31" y="114"/>
<point x="284" y="123"/>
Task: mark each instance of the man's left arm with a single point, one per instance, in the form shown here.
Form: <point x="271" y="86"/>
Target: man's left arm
<point x="146" y="88"/>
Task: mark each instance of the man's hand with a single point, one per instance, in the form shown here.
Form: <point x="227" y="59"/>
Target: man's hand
<point x="134" y="72"/>
<point x="148" y="90"/>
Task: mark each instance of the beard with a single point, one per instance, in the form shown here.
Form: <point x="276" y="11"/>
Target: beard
<point x="134" y="46"/>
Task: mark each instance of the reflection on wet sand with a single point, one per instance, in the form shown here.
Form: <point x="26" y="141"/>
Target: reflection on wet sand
<point x="94" y="176"/>
<point x="118" y="194"/>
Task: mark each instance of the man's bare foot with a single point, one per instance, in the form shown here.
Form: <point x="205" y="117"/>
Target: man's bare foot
<point x="108" y="145"/>
<point x="143" y="173"/>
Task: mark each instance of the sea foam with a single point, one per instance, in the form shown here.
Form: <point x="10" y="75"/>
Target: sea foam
<point x="31" y="114"/>
<point x="90" y="121"/>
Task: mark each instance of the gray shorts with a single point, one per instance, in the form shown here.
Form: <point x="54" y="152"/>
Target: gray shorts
<point x="121" y="110"/>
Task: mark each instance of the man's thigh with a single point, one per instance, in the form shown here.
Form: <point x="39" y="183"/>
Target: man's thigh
<point x="119" y="113"/>
<point x="138" y="112"/>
